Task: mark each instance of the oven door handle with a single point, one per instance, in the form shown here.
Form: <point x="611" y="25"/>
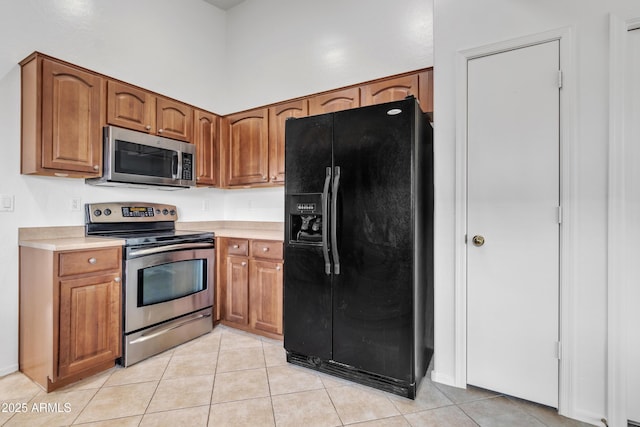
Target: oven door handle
<point x="170" y="328"/>
<point x="167" y="248"/>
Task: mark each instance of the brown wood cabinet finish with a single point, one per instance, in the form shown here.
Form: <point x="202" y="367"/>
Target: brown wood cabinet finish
<point x="89" y="323"/>
<point x="389" y="90"/>
<point x="265" y="290"/>
<point x="174" y="119"/>
<point x="251" y="285"/>
<point x="206" y="139"/>
<point x="245" y="150"/>
<point x="62" y="116"/>
<point x="70" y="317"/>
<point x="133" y="108"/>
<point x="425" y="83"/>
<point x="130" y="107"/>
<point x="278" y="115"/>
<point x="337" y="100"/>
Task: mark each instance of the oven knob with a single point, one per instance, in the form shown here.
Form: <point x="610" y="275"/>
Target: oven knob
<point x="97" y="212"/>
<point x="172" y="212"/>
<point x="107" y="212"/>
<point x="165" y="211"/>
<point x="158" y="211"/>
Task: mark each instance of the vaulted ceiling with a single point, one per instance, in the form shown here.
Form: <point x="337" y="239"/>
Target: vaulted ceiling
<point x="224" y="4"/>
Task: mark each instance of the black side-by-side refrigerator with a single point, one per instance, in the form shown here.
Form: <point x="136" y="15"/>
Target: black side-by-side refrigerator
<point x="358" y="257"/>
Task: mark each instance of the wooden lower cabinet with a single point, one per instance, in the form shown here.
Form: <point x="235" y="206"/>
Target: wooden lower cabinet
<point x="70" y="313"/>
<point x="237" y="301"/>
<point x="265" y="295"/>
<point x="250" y="285"/>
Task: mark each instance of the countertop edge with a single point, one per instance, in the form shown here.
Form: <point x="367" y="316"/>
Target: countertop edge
<point x="72" y="237"/>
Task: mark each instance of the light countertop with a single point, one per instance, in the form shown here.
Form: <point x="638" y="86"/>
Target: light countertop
<point x="72" y="237"/>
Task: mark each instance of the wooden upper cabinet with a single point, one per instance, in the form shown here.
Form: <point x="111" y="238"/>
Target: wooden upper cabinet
<point x="174" y="119"/>
<point x="206" y="139"/>
<point x="62" y="119"/>
<point x="278" y="116"/>
<point x="130" y="107"/>
<point x="395" y="89"/>
<point x="137" y="109"/>
<point x="334" y="101"/>
<point x="425" y="83"/>
<point x="245" y="148"/>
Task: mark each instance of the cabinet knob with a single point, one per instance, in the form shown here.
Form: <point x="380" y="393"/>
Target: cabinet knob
<point x="92" y="260"/>
<point x="243" y="263"/>
<point x="148" y="127"/>
<point x="273" y="178"/>
<point x="236" y="246"/>
<point x="117" y="280"/>
<point x="96" y="167"/>
<point x="278" y="268"/>
<point x="160" y="130"/>
<point x="265" y="249"/>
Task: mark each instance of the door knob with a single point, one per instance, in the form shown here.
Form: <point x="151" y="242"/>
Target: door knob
<point x="478" y="240"/>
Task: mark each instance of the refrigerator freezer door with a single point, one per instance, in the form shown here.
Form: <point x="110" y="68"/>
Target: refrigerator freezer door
<point x="307" y="287"/>
<point x="373" y="311"/>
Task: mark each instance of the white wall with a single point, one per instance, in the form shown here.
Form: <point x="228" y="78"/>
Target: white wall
<point x="464" y="24"/>
<point x="194" y="52"/>
<point x="288" y="48"/>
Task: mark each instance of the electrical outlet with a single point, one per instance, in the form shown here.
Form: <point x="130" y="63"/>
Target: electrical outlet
<point x="6" y="203"/>
<point x="76" y="204"/>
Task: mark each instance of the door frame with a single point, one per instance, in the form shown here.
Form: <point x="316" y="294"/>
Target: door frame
<point x="567" y="179"/>
<point x="619" y="246"/>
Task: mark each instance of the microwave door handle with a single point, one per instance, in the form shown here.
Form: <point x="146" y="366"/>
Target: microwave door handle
<point x="175" y="165"/>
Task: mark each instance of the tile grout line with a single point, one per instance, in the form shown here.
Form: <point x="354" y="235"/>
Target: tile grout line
<point x="215" y="374"/>
<point x="266" y="371"/>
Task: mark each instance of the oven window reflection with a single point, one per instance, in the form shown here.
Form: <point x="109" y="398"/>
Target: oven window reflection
<point x="166" y="282"/>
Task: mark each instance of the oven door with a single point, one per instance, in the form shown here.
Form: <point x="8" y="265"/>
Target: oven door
<point x="165" y="285"/>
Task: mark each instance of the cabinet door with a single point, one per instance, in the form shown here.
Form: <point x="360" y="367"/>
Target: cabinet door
<point x="247" y="148"/>
<point x="237" y="304"/>
<point x="206" y="140"/>
<point x="334" y="101"/>
<point x="395" y="89"/>
<point x="266" y="296"/>
<point x="174" y="119"/>
<point x="130" y="107"/>
<point x="90" y="330"/>
<point x="425" y="83"/>
<point x="71" y="119"/>
<point x="278" y="116"/>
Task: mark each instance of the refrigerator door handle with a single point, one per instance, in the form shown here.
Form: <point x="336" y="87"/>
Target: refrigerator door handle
<point x="325" y="218"/>
<point x="334" y="221"/>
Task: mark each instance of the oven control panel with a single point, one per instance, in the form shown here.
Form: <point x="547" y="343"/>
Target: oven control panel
<point x="129" y="212"/>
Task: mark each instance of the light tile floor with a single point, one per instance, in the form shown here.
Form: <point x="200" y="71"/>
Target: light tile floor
<point x="232" y="378"/>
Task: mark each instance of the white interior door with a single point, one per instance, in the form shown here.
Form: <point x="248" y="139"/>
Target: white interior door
<point x="632" y="199"/>
<point x="512" y="200"/>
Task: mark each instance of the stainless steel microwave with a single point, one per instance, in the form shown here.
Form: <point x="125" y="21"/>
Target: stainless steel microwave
<point x="138" y="159"/>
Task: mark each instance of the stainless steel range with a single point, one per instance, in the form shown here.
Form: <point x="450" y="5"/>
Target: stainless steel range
<point x="168" y="281"/>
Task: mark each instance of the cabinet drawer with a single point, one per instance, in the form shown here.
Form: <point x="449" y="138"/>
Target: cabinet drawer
<point x="238" y="247"/>
<point x="269" y="249"/>
<point x="80" y="262"/>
